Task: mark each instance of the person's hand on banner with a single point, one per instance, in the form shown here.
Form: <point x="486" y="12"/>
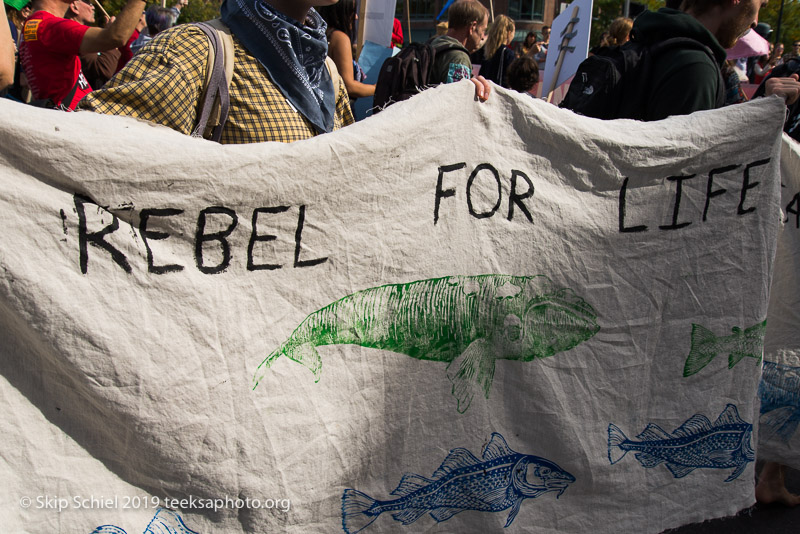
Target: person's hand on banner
<point x="482" y="88"/>
<point x="787" y="88"/>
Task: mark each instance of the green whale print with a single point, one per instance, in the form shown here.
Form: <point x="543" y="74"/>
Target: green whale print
<point x="706" y="345"/>
<point x="468" y="322"/>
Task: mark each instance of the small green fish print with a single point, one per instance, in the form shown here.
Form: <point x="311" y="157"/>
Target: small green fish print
<point x="468" y="322"/>
<point x="706" y="346"/>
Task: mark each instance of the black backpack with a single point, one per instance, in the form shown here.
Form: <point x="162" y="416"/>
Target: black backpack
<point x="408" y="73"/>
<point x="614" y="83"/>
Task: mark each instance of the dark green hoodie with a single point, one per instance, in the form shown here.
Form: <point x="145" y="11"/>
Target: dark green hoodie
<point x="683" y="80"/>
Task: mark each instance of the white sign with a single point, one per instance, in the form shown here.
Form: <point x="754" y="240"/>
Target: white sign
<point x="379" y="21"/>
<point x="576" y="50"/>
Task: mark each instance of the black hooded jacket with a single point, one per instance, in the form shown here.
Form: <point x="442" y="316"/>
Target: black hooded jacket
<point x="683" y="80"/>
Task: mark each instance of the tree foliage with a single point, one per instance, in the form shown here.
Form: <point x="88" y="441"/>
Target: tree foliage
<point x="790" y="22"/>
<point x="196" y="11"/>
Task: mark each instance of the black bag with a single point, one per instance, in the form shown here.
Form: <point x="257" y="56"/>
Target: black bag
<point x="408" y="73"/>
<point x="614" y="83"/>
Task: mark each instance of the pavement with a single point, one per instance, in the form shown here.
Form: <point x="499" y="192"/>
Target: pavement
<point x="760" y="519"/>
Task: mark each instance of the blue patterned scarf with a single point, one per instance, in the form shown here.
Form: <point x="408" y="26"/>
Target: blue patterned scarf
<point x="292" y="52"/>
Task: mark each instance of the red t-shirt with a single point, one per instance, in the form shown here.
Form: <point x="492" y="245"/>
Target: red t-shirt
<point x="49" y="54"/>
<point x="126" y="52"/>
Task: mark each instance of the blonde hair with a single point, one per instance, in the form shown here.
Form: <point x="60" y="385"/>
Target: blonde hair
<point x="498" y="33"/>
<point x="618" y="32"/>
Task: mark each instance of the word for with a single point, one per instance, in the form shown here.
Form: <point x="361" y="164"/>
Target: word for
<point x="515" y="197"/>
<point x="202" y="238"/>
<point x="711" y="193"/>
<point x="136" y="502"/>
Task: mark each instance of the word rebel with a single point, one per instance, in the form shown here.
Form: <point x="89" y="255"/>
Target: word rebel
<point x="223" y="219"/>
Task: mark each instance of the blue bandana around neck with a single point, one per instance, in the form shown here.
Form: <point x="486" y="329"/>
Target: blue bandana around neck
<point x="292" y="52"/>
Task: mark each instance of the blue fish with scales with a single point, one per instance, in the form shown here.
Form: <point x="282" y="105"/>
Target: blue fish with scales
<point x="502" y="479"/>
<point x="697" y="443"/>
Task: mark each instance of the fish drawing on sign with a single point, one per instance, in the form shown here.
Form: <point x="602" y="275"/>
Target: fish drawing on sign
<point x="500" y="480"/>
<point x="706" y="346"/>
<point x="164" y="522"/>
<point x="695" y="444"/>
<point x="779" y="391"/>
<point x="468" y="322"/>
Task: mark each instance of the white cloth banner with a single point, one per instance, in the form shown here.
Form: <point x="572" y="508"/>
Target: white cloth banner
<point x="459" y="316"/>
<point x="780" y="385"/>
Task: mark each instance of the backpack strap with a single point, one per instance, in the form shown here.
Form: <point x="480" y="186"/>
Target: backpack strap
<point x="67" y="102"/>
<point x="445" y="47"/>
<point x="336" y="78"/>
<point x="215" y="99"/>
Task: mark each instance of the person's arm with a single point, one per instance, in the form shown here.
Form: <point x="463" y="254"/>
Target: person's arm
<point x="787" y="88"/>
<point x="482" y="88"/>
<point x="340" y="49"/>
<point x="176" y="9"/>
<point x="100" y="66"/>
<point x="115" y="34"/>
<point x="6" y="55"/>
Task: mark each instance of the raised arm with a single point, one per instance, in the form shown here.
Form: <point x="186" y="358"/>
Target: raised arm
<point x="116" y="33"/>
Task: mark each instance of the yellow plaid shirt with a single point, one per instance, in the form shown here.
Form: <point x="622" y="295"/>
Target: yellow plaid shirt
<point x="164" y="82"/>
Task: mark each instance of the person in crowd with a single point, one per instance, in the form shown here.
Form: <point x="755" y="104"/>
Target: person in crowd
<point x="341" y="20"/>
<point x="155" y="20"/>
<point x="16" y="20"/>
<point x="523" y="75"/>
<point x="778" y="54"/>
<point x="763" y="65"/>
<point x="619" y="32"/>
<point x="545" y="36"/>
<point x="733" y="78"/>
<point x="441" y="28"/>
<point x="793" y="53"/>
<point x="544" y="44"/>
<point x="274" y="94"/>
<point x="397" y="34"/>
<point x="685" y="80"/>
<point x="19" y="90"/>
<point x="98" y="67"/>
<point x="530" y="46"/>
<point x="467" y="22"/>
<point x="497" y="56"/>
<point x="51" y="47"/>
<point x="7" y="50"/>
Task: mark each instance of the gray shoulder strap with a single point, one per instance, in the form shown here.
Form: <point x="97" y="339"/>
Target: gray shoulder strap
<point x="215" y="100"/>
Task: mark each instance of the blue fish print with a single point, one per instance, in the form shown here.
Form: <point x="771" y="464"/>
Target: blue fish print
<point x="696" y="443"/>
<point x="779" y="392"/>
<point x="499" y="481"/>
<point x="164" y="522"/>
